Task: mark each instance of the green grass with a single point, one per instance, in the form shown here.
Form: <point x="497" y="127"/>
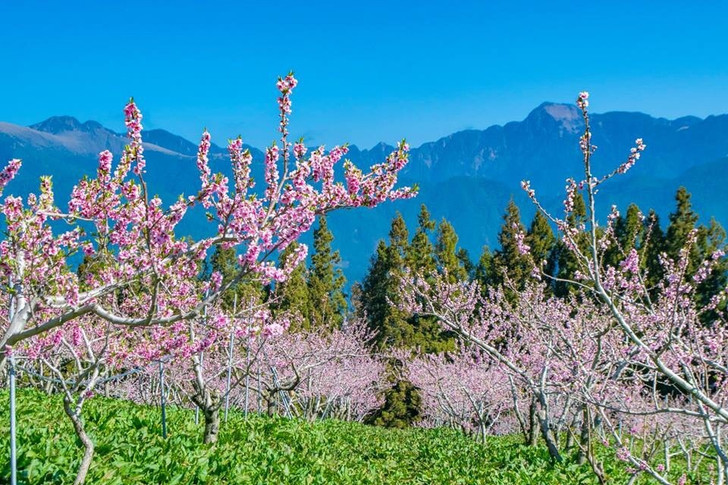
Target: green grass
<point x="263" y="450"/>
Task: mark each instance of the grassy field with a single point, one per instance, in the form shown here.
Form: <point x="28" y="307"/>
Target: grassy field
<point x="264" y="450"/>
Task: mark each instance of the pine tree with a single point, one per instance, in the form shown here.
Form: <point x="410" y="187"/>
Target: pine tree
<point x="402" y="406"/>
<point x="423" y="258"/>
<point x="540" y="238"/>
<point x="682" y="223"/>
<point x="398" y="241"/>
<point x="380" y="288"/>
<point x="565" y="261"/>
<point x="709" y="240"/>
<point x="466" y="263"/>
<point x="379" y="298"/>
<point x="394" y="328"/>
<point x="292" y="295"/>
<point x="509" y="265"/>
<point x="652" y="246"/>
<point x="420" y="253"/>
<point x="485" y="269"/>
<point x="326" y="281"/>
<point x="629" y="232"/>
<point x="446" y="252"/>
<point x="357" y="301"/>
<point x="374" y="290"/>
<point x="629" y="229"/>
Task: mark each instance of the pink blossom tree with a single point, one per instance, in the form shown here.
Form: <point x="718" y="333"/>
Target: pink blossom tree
<point x="617" y="360"/>
<point x="662" y="334"/>
<point x="147" y="276"/>
<point x="465" y="389"/>
<point x="133" y="237"/>
<point x="513" y="335"/>
<point x="332" y="374"/>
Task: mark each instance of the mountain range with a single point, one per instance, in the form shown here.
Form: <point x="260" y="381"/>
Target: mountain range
<point x="467" y="177"/>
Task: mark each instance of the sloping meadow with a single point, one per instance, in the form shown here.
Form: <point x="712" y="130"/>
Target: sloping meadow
<point x="262" y="450"/>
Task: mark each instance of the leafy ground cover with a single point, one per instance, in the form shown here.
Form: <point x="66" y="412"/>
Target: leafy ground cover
<point x="264" y="450"/>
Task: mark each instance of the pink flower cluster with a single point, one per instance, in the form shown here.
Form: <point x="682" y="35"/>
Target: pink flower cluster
<point x="634" y="155"/>
<point x="582" y="101"/>
<point x="9" y="172"/>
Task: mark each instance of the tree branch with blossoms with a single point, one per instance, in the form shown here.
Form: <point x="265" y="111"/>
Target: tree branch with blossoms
<point x="146" y="276"/>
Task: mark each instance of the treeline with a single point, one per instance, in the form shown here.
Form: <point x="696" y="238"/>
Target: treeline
<point x="315" y="293"/>
<point x="433" y="248"/>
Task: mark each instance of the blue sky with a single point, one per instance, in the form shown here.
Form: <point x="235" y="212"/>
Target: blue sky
<point x="369" y="71"/>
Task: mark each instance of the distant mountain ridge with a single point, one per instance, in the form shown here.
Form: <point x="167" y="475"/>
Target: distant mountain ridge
<point x="526" y="149"/>
<point x="466" y="177"/>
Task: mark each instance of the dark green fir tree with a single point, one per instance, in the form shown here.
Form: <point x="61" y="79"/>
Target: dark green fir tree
<point x="327" y="306"/>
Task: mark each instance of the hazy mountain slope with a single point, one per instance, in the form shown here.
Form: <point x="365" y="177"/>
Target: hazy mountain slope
<point x="467" y="177"/>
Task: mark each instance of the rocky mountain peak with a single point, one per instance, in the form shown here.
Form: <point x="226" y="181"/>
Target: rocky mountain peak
<point x="58" y="124"/>
<point x="61" y="124"/>
<point x="566" y="116"/>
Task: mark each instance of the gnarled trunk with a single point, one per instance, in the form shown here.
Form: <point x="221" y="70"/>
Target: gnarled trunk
<point x="208" y="401"/>
<point x="212" y="424"/>
<point x="88" y="445"/>
<point x="533" y="425"/>
<point x="546" y="431"/>
<point x="548" y="437"/>
<point x="209" y="405"/>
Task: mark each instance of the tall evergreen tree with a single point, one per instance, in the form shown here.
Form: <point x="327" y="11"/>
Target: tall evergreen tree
<point x="540" y="238"/>
<point x="446" y="252"/>
<point x="710" y="239"/>
<point x="629" y="229"/>
<point x="326" y="281"/>
<point x="629" y="232"/>
<point x="374" y="290"/>
<point x="508" y="262"/>
<point x="402" y="406"/>
<point x="357" y="301"/>
<point x="292" y="295"/>
<point x="398" y="240"/>
<point x="566" y="263"/>
<point x="652" y="246"/>
<point x="394" y="328"/>
<point x="380" y="288"/>
<point x="682" y="223"/>
<point x="466" y="263"/>
<point x="485" y="269"/>
<point x="225" y="261"/>
<point x="423" y="258"/>
<point x="420" y="253"/>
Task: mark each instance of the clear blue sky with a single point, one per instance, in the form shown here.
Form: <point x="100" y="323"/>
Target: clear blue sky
<point x="369" y="71"/>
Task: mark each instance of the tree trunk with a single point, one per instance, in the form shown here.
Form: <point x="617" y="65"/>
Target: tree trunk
<point x="569" y="440"/>
<point x="88" y="445"/>
<point x="208" y="402"/>
<point x="212" y="424"/>
<point x="209" y="406"/>
<point x="533" y="426"/>
<point x="270" y="402"/>
<point x="546" y="432"/>
<point x="585" y="436"/>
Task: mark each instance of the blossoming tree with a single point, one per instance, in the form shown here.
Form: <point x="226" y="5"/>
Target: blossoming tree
<point x="147" y="276"/>
<point x="620" y="352"/>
